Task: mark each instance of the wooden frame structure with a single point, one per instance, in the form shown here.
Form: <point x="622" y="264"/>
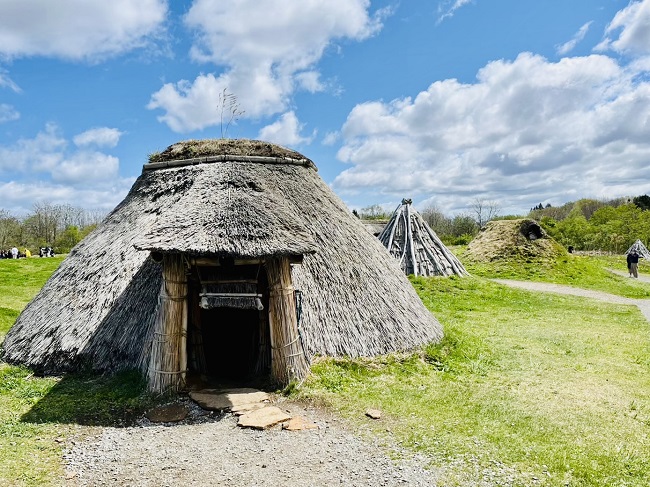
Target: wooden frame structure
<point x="417" y="248"/>
<point x="169" y="347"/>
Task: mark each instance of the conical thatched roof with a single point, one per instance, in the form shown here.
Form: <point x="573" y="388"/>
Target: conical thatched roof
<point x="417" y="248"/>
<point x="517" y="240"/>
<point x="220" y="198"/>
<point x="640" y="249"/>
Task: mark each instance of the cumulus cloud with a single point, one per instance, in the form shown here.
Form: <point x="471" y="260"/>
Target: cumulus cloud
<point x="48" y="167"/>
<point x="100" y="137"/>
<point x="286" y="131"/>
<point x="331" y="138"/>
<point x="268" y="49"/>
<point x="530" y="128"/>
<point x="77" y="29"/>
<point x="571" y="44"/>
<point x="633" y="27"/>
<point x="19" y="197"/>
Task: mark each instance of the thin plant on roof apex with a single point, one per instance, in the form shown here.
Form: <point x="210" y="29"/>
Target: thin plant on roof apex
<point x="229" y="110"/>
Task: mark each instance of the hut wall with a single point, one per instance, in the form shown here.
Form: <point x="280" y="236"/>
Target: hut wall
<point x="169" y="352"/>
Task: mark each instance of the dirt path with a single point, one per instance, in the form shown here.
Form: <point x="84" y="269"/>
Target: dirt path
<point x="642" y="304"/>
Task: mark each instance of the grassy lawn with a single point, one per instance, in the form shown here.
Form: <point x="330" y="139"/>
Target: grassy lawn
<point x="588" y="272"/>
<point x="36" y="413"/>
<point x="525" y="389"/>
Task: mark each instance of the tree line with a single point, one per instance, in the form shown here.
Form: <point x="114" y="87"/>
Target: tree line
<point x="587" y="224"/>
<point x="48" y="225"/>
<point x="456" y="230"/>
<point x="590" y="224"/>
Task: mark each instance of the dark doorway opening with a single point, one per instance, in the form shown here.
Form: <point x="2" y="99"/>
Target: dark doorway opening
<point x="230" y="342"/>
<point x="228" y="338"/>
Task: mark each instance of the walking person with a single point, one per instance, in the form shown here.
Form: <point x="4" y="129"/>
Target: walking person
<point x="633" y="264"/>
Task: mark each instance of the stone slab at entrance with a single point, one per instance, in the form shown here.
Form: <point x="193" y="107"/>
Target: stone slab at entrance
<point x="221" y="400"/>
<point x="264" y="418"/>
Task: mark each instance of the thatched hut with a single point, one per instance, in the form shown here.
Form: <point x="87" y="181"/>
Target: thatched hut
<point x="418" y="249"/>
<point x="522" y="240"/>
<point x="226" y="258"/>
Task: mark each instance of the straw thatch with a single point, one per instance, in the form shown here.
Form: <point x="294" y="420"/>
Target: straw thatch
<point x="513" y="240"/>
<point x="225" y="198"/>
<point x="416" y="246"/>
<point x="640" y="249"/>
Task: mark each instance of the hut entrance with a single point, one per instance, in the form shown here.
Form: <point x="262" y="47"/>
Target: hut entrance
<point x="228" y="333"/>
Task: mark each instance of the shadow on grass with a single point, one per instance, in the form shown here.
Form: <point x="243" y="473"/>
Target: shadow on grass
<point x="116" y="400"/>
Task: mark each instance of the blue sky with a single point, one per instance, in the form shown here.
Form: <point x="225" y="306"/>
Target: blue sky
<point x="517" y="101"/>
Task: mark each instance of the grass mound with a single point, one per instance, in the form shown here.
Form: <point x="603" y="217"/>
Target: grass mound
<point x="514" y="240"/>
<point x="189" y="149"/>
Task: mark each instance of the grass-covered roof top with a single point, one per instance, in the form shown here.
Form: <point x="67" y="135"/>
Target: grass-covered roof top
<point x="244" y="148"/>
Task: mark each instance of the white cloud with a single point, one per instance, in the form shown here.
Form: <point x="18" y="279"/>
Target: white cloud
<point x="633" y="22"/>
<point x="269" y="49"/>
<point x="19" y="197"/>
<point x="7" y="82"/>
<point x="39" y="154"/>
<point x="46" y="168"/>
<point x="447" y="8"/>
<point x="331" y="138"/>
<point x="194" y="106"/>
<point x="529" y="128"/>
<point x="100" y="137"/>
<point x="571" y="44"/>
<point x="8" y="113"/>
<point x="77" y="29"/>
<point x="310" y="81"/>
<point x="86" y="167"/>
<point x="285" y="131"/>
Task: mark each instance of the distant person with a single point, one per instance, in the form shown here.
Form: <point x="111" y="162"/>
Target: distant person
<point x="28" y="253"/>
<point x="633" y="264"/>
<point x="14" y="253"/>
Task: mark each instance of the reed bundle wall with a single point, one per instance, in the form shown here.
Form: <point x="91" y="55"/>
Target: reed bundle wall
<point x="169" y="350"/>
<point x="288" y="360"/>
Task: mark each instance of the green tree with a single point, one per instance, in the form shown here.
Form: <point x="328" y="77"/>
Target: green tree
<point x="642" y="202"/>
<point x="67" y="239"/>
<point x="10" y="231"/>
<point x="373" y="212"/>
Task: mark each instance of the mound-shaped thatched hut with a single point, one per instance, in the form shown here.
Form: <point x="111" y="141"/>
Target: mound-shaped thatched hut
<point x="420" y="252"/>
<point x="520" y="240"/>
<point x="226" y="258"/>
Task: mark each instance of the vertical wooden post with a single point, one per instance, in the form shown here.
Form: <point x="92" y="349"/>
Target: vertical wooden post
<point x="168" y="363"/>
<point x="288" y="361"/>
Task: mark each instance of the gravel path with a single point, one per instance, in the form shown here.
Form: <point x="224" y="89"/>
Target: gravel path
<point x="212" y="450"/>
<point x="642" y="304"/>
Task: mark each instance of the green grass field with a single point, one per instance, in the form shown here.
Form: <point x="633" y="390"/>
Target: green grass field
<point x="37" y="413"/>
<point x="525" y="389"/>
